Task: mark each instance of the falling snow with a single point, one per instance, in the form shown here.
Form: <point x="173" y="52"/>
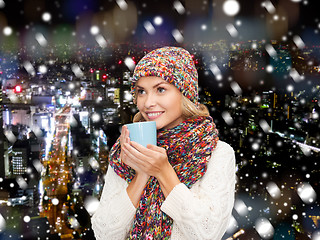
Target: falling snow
<point x="258" y="65"/>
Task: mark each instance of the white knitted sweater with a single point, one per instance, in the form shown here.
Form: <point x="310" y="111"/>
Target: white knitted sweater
<point x="201" y="212"/>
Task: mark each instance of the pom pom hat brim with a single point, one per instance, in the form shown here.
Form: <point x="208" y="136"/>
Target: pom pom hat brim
<point x="173" y="64"/>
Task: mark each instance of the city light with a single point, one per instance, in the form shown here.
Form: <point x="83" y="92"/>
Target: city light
<point x="18" y="89"/>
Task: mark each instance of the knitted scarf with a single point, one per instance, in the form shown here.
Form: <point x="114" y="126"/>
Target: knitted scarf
<point x="188" y="146"/>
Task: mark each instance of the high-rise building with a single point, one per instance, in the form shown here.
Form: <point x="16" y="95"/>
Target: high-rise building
<point x="19" y="161"/>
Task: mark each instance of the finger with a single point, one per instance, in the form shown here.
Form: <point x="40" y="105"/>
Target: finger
<point x="127" y="139"/>
<point x="122" y="136"/>
<point x="131" y="150"/>
<point x="135" y="154"/>
<point x="126" y="160"/>
<point x="156" y="148"/>
<point x="134" y="163"/>
<point x="148" y="151"/>
<point x="125" y="156"/>
<point x="123" y="129"/>
<point x="127" y="135"/>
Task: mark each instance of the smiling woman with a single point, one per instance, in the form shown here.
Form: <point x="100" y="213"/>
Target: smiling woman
<point x="183" y="188"/>
<point x="159" y="101"/>
<point x="189" y="110"/>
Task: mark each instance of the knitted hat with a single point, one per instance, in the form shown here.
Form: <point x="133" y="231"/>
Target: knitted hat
<point x="174" y="65"/>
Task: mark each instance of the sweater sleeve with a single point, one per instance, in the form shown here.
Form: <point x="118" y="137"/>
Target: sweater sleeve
<point x="115" y="213"/>
<point x="204" y="210"/>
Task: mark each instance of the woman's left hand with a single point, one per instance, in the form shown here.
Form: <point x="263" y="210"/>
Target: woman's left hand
<point x="152" y="159"/>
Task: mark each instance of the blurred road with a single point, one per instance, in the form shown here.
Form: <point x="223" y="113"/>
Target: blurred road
<point x="54" y="203"/>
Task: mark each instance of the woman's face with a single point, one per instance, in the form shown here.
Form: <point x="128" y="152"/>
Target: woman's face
<point x="159" y="101"/>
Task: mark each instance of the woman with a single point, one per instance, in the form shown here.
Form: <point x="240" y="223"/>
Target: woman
<point x="183" y="188"/>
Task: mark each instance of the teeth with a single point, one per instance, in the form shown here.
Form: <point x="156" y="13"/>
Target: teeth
<point x="154" y="114"/>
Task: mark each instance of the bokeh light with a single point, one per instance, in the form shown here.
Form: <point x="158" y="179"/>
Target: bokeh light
<point x="158" y="20"/>
<point x="264" y="228"/>
<point x="2" y="4"/>
<point x="7" y="31"/>
<point x="46" y="16"/>
<point x="26" y="219"/>
<point x="306" y="193"/>
<point x="94" y="30"/>
<point x="2" y="223"/>
<point x="231" y="7"/>
<point x="55" y="201"/>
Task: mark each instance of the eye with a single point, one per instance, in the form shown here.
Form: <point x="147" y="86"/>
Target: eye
<point x="140" y="91"/>
<point x="161" y="90"/>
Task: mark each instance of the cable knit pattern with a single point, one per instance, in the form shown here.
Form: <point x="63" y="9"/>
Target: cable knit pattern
<point x="204" y="211"/>
<point x="114" y="216"/>
<point x="201" y="212"/>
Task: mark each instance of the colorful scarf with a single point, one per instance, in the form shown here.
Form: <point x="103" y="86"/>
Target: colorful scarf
<point x="188" y="146"/>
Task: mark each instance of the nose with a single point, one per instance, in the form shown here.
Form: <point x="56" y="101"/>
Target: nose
<point x="150" y="101"/>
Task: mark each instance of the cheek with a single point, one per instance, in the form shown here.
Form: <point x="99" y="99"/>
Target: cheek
<point x="139" y="104"/>
<point x="175" y="105"/>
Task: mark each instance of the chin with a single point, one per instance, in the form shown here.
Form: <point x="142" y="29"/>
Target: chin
<point x="159" y="126"/>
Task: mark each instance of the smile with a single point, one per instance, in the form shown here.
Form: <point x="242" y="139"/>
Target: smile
<point x="153" y="115"/>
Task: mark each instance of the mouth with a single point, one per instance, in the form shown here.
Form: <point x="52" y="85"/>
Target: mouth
<point x="153" y="115"/>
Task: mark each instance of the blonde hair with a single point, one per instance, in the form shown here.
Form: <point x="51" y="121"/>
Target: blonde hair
<point x="189" y="110"/>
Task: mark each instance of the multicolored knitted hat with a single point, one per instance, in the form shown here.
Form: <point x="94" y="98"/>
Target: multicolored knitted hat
<point x="173" y="64"/>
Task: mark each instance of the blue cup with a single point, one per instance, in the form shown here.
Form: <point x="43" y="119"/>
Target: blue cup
<point x="143" y="132"/>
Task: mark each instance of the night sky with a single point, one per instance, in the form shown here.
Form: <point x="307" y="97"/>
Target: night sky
<point x="200" y="21"/>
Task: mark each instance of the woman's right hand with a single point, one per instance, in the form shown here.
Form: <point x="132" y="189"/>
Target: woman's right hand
<point x="124" y="138"/>
<point x="138" y="183"/>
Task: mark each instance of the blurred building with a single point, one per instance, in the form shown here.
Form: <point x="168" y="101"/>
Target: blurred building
<point x="18" y="161"/>
<point x="2" y="165"/>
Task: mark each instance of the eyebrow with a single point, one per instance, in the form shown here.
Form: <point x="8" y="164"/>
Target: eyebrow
<point x="155" y="86"/>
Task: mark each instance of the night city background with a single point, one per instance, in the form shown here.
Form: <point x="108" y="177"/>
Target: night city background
<point x="65" y="69"/>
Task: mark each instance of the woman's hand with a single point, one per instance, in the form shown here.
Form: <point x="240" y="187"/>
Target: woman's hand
<point x="136" y="186"/>
<point x="153" y="160"/>
<point x="124" y="139"/>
